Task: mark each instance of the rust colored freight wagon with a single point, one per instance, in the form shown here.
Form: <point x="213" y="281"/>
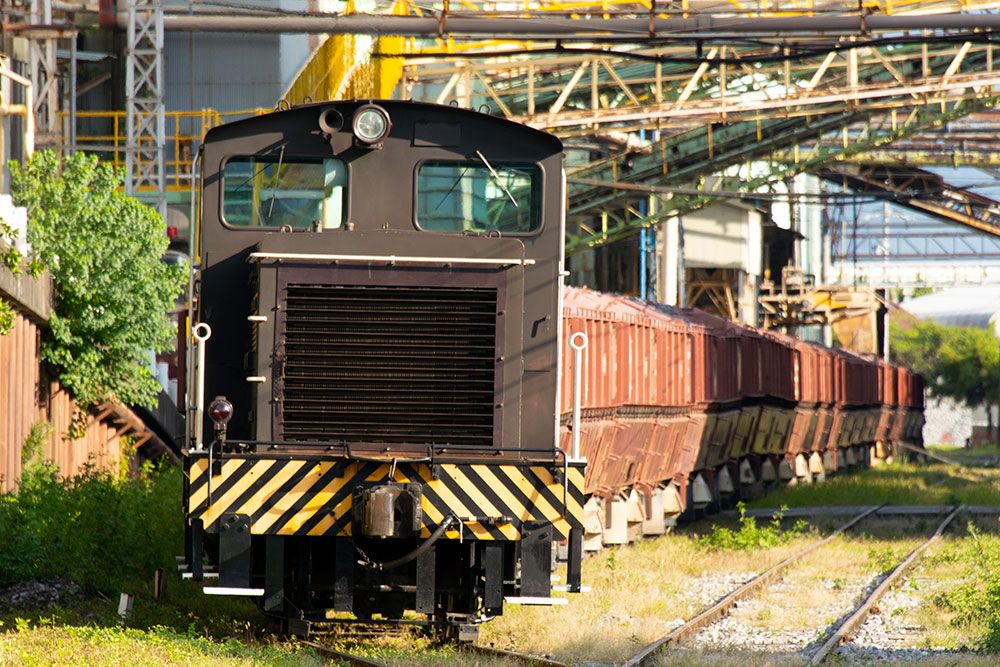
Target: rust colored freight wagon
<point x="636" y="406"/>
<point x="717" y="406"/>
<point x="683" y="411"/>
<point x="811" y="374"/>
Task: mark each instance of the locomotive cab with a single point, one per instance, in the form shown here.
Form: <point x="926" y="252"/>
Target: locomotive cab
<point x="377" y="299"/>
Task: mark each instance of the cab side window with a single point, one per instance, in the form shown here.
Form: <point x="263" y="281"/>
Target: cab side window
<point x="478" y="197"/>
<point x="273" y="191"/>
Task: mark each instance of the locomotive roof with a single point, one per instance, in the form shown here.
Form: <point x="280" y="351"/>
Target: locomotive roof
<point x="544" y="139"/>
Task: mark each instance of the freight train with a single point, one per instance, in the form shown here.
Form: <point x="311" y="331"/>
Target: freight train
<point x="684" y="412"/>
<point x="378" y="375"/>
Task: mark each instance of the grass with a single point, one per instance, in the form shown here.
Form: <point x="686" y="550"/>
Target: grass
<point x="53" y="645"/>
<point x="961" y="601"/>
<point x="638" y="594"/>
<point x="750" y="535"/>
<point x="967" y="455"/>
<point x="110" y="535"/>
<point x="897" y="484"/>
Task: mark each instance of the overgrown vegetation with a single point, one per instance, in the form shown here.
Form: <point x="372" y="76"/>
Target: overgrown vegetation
<point x="159" y="645"/>
<point x="750" y="535"/>
<point x="99" y="531"/>
<point x="974" y="603"/>
<point x="109" y="534"/>
<point x="15" y="262"/>
<point x="112" y="291"/>
<point x="32" y="452"/>
<point x="896" y="484"/>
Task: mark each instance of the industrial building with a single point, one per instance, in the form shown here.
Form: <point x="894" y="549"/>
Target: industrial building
<point x="772" y="187"/>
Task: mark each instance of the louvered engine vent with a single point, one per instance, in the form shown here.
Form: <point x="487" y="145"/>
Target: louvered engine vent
<point x="389" y="364"/>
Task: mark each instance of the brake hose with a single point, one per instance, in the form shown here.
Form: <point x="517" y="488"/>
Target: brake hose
<point x="424" y="546"/>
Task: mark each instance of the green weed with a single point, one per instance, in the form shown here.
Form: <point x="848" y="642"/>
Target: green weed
<point x="883" y="559"/>
<point x="750" y="535"/>
<point x="32" y="453"/>
<point x="94" y="529"/>
<point x="975" y="602"/>
<point x="896" y="484"/>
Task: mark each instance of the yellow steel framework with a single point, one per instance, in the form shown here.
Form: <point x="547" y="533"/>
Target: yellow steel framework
<point x="351" y="66"/>
<point x="583" y="95"/>
<point x="185" y="131"/>
<point x="605" y="91"/>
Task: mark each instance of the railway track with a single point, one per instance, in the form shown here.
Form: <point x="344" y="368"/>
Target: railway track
<point x="341" y="658"/>
<point x="515" y="657"/>
<point x="722" y="607"/>
<point x="846" y="629"/>
<point x="844" y="632"/>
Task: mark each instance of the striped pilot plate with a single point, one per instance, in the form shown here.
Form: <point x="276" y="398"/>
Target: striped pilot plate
<point x="314" y="497"/>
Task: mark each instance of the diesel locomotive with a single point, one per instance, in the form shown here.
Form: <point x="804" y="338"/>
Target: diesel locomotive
<point x="374" y="361"/>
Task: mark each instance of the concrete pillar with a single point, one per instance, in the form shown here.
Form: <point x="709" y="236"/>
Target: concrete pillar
<point x="668" y="250"/>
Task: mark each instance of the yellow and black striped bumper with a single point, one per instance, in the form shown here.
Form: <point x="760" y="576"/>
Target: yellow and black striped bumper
<point x="315" y="496"/>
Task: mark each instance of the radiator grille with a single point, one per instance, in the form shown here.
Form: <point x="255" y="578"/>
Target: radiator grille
<point x="389" y="364"/>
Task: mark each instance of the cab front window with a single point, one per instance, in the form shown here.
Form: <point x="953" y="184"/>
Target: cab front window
<point x="278" y="190"/>
<point x="478" y="197"/>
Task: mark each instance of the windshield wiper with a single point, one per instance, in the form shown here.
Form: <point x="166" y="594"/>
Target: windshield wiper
<point x="277" y="175"/>
<point x="257" y="173"/>
<point x="452" y="188"/>
<point x="496" y="176"/>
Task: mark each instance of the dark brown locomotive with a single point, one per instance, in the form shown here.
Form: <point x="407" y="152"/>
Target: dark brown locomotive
<point x="382" y="286"/>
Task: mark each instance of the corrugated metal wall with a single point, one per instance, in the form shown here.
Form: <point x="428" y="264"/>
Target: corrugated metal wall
<point x="19" y="377"/>
<point x="28" y="397"/>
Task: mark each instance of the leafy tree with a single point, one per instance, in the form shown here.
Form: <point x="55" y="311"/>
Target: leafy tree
<point x="112" y="291"/>
<point x="962" y="363"/>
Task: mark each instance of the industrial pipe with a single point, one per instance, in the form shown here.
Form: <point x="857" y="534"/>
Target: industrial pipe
<point x="22" y="109"/>
<point x="578" y="342"/>
<point x="587" y="29"/>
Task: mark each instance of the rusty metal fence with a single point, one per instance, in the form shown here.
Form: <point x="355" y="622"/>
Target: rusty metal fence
<point x="28" y="396"/>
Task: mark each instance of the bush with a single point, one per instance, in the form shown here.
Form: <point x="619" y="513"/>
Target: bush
<point x="975" y="602"/>
<point x="104" y="533"/>
<point x="750" y="535"/>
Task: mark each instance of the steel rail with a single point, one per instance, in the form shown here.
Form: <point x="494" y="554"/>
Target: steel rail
<point x="720" y="608"/>
<point x="341" y="657"/>
<point x="930" y="455"/>
<point x="524" y="658"/>
<point x="861" y="612"/>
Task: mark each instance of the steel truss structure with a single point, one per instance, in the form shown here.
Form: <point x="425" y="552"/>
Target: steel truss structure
<point x="865" y="236"/>
<point x="145" y="167"/>
<point x="920" y="190"/>
<point x="44" y="71"/>
<point x="675" y="88"/>
<point x="42" y="28"/>
<point x="717" y="105"/>
<point x="815" y="145"/>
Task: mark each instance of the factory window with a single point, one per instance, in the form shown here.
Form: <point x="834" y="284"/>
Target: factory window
<point x="279" y="190"/>
<point x="478" y="197"/>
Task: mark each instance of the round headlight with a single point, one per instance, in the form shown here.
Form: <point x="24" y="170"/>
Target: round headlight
<point x="371" y="124"/>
